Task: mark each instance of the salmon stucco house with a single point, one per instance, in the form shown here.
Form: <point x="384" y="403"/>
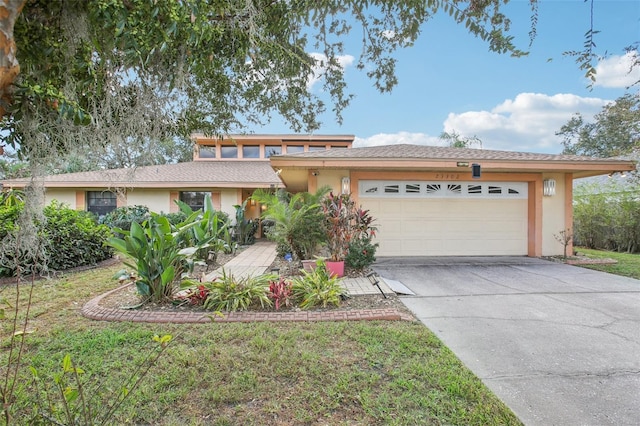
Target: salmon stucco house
<point x="428" y="201"/>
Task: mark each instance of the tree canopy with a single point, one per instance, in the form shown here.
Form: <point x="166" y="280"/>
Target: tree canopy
<point x="107" y="73"/>
<point x="116" y="71"/>
<point x="615" y="130"/>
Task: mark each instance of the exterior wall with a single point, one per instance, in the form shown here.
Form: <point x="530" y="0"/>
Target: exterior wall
<point x="332" y="178"/>
<point x="228" y="199"/>
<point x="158" y="201"/>
<point x="554" y="217"/>
<point x="65" y="196"/>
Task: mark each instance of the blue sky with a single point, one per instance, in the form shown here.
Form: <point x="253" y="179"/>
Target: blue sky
<point x="449" y="81"/>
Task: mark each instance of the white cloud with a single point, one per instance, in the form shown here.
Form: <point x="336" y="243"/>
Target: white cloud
<point x="526" y="123"/>
<point x="397" y="138"/>
<point x="618" y="71"/>
<point x="322" y="64"/>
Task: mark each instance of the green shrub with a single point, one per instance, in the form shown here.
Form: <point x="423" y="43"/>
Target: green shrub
<point x="317" y="288"/>
<point x="361" y="254"/>
<point x="69" y="238"/>
<point x="122" y="217"/>
<point x="607" y="216"/>
<point x="8" y="217"/>
<point x="229" y="294"/>
<point x="73" y="238"/>
<point x="175" y="218"/>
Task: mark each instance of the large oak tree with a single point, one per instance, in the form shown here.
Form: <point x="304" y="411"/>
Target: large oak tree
<point x="103" y="72"/>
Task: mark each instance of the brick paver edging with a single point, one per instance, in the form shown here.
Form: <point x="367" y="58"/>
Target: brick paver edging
<point x="93" y="310"/>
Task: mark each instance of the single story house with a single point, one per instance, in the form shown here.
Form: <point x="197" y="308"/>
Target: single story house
<point x="428" y="201"/>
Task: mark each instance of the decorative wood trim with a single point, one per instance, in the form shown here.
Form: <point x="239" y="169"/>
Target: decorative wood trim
<point x="534" y="235"/>
<point x="81" y="200"/>
<point x="568" y="207"/>
<point x="173" y="196"/>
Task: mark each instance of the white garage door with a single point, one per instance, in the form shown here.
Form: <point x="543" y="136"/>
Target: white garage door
<point x="424" y="218"/>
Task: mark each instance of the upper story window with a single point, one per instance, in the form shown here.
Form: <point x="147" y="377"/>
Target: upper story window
<point x="270" y="150"/>
<point x="229" y="151"/>
<point x="207" y="152"/>
<point x="251" y="151"/>
<point x="317" y="148"/>
<point x="101" y="202"/>
<point x="293" y="149"/>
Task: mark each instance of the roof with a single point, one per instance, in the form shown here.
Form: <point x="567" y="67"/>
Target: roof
<point x="279" y="137"/>
<point x="423" y="157"/>
<point x="196" y="174"/>
<point x="401" y="151"/>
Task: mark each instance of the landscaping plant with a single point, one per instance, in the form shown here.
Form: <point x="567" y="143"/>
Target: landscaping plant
<point x="208" y="229"/>
<point x="345" y="223"/>
<point x="317" y="288"/>
<point x="228" y="293"/>
<point x="66" y="238"/>
<point x="155" y="254"/>
<point x="281" y="292"/>
<point x="361" y="253"/>
<point x="298" y="222"/>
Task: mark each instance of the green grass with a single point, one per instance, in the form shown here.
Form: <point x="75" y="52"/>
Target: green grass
<point x="342" y="373"/>
<point x="628" y="264"/>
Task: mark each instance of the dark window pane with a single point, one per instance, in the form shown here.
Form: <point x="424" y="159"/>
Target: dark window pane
<point x="317" y="148"/>
<point x="292" y="149"/>
<point x="207" y="152"/>
<point x="251" y="151"/>
<point x="270" y="150"/>
<point x="101" y="202"/>
<point x="229" y="152"/>
<point x="195" y="200"/>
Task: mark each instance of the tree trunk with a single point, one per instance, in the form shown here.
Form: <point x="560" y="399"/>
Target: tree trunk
<point x="9" y="66"/>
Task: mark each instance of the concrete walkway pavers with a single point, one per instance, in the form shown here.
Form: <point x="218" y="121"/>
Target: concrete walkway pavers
<point x="560" y="345"/>
<point x="252" y="261"/>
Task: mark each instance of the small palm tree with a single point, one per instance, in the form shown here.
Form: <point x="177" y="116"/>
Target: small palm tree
<point x="298" y="219"/>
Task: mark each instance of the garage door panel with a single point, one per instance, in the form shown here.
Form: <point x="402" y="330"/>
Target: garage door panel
<point x="475" y="225"/>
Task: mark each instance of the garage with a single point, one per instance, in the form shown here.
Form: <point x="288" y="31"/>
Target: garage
<point x="448" y="218"/>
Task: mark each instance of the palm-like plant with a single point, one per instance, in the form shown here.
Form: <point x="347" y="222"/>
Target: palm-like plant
<point x="298" y="219"/>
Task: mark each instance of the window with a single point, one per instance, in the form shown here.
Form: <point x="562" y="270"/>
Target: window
<point x="195" y="200"/>
<point x="440" y="189"/>
<point x="317" y="148"/>
<point x="412" y="188"/>
<point x="229" y="151"/>
<point x="250" y="151"/>
<point x="293" y="149"/>
<point x="207" y="152"/>
<point x="101" y="202"/>
<point x="270" y="150"/>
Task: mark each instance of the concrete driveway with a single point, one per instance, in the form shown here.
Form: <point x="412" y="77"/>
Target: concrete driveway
<point x="559" y="344"/>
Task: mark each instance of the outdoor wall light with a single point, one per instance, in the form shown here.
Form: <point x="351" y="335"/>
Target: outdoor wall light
<point x="373" y="279"/>
<point x="346" y="185"/>
<point x="549" y="187"/>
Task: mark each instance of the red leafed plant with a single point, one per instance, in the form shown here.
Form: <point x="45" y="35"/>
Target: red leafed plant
<point x="280" y="292"/>
<point x="194" y="295"/>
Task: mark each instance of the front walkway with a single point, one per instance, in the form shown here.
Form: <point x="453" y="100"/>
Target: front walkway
<point x="254" y="260"/>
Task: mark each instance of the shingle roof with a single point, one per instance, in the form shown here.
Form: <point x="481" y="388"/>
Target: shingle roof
<point x="195" y="173"/>
<point x="407" y="151"/>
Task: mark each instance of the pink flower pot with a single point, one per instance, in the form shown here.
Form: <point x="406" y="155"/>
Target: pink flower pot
<point x="335" y="268"/>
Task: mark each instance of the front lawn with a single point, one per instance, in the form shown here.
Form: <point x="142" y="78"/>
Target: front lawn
<point x="628" y="264"/>
<point x="355" y="373"/>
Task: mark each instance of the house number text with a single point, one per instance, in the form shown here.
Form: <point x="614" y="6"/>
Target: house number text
<point x="448" y="176"/>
